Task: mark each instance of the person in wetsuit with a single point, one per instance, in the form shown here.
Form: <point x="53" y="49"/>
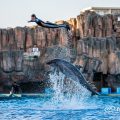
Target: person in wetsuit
<point x="15" y="89"/>
<point x="48" y="24"/>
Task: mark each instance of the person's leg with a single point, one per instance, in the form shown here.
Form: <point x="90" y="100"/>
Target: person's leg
<point x="52" y="25"/>
<point x="65" y="26"/>
<point x="49" y="23"/>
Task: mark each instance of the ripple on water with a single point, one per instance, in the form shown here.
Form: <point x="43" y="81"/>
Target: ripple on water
<point x="93" y="108"/>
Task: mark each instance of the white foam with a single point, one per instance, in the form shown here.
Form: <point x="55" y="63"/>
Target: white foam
<point x="68" y="94"/>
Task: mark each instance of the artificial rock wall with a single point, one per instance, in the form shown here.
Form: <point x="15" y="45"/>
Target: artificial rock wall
<point x="53" y="43"/>
<point x="94" y="35"/>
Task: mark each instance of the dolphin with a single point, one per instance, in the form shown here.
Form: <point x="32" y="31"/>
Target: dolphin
<point x="72" y="72"/>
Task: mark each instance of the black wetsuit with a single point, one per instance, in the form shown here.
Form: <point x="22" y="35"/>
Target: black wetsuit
<point x="15" y="88"/>
<point x="50" y="25"/>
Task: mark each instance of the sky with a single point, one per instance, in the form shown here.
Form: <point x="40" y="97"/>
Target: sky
<point x="17" y="12"/>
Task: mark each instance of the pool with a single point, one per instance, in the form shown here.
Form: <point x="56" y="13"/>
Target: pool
<point x="47" y="108"/>
<point x="65" y="100"/>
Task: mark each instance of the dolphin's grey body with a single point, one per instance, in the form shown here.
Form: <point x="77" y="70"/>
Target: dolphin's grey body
<point x="72" y="72"/>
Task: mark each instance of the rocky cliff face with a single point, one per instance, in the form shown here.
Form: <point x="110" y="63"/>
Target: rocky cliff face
<point x="94" y="25"/>
<point x="14" y="42"/>
<point x="94" y="36"/>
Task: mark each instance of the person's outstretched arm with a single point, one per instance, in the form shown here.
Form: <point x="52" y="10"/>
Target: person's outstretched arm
<point x="36" y="20"/>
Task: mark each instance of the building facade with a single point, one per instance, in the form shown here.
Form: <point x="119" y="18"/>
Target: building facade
<point x="103" y="10"/>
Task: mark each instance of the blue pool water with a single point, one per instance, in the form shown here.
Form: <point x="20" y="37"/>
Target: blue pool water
<point x="43" y="108"/>
<point x="69" y="101"/>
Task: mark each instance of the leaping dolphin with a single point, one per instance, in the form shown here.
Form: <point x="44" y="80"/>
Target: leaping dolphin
<point x="72" y="72"/>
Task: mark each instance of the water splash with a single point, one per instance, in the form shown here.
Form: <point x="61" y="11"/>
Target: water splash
<point x="68" y="94"/>
<point x="66" y="90"/>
